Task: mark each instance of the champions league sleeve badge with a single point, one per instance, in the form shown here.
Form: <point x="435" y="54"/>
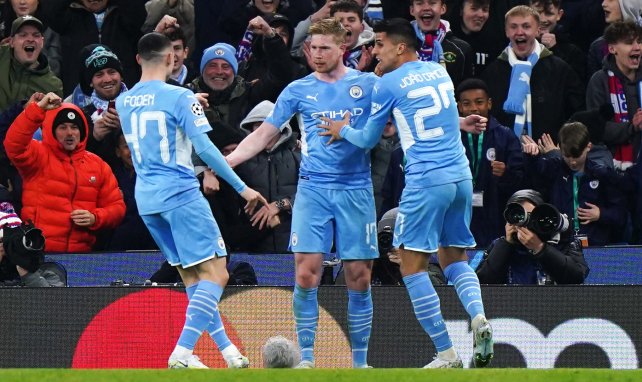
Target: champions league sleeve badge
<point x="197" y="109"/>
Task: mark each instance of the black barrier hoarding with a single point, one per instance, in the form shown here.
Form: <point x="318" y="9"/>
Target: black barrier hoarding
<point x="539" y="327"/>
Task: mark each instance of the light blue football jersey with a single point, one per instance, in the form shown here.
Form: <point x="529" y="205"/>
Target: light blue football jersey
<point x="340" y="165"/>
<point x="157" y="120"/>
<point x="420" y="97"/>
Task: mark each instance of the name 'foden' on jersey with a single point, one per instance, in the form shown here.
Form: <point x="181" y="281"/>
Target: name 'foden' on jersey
<point x="139" y="100"/>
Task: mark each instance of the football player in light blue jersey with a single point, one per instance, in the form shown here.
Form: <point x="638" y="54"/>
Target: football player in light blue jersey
<point x="436" y="204"/>
<point x="160" y="123"/>
<point x="334" y="195"/>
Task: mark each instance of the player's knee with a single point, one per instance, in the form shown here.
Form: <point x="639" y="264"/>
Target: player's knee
<point x="358" y="279"/>
<point x="307" y="278"/>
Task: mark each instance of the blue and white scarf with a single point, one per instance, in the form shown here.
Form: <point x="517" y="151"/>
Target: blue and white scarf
<point x="79" y="98"/>
<point x="182" y="75"/>
<point x="518" y="101"/>
<point x="101" y="104"/>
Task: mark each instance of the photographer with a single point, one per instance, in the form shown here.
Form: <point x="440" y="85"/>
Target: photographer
<point x="526" y="257"/>
<point x="21" y="253"/>
<point x="385" y="270"/>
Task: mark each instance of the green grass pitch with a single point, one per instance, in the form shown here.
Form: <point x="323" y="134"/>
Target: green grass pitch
<point x="321" y="375"/>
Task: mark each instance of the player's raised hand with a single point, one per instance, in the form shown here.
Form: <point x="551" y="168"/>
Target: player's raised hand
<point x="253" y="199"/>
<point x="333" y="128"/>
<point x="474" y="124"/>
<point x="50" y="101"/>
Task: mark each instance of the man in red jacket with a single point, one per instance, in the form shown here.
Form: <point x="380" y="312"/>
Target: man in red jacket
<point x="68" y="192"/>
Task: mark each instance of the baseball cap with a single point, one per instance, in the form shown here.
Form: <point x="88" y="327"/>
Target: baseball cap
<point x="25" y="20"/>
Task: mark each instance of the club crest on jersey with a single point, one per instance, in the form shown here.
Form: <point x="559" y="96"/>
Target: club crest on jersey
<point x="356" y="91"/>
<point x="490" y="154"/>
<point x="295" y="239"/>
<point x="221" y="243"/>
<point x="197" y="109"/>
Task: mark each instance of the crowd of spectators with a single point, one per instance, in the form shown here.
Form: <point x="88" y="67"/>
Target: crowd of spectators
<point x="529" y="66"/>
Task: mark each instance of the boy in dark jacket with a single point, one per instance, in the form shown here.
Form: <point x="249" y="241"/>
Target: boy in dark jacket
<point x="579" y="188"/>
<point x="496" y="162"/>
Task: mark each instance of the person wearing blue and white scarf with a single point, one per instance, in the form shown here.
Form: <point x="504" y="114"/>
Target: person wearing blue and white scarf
<point x="534" y="92"/>
<point x="518" y="101"/>
<point x="103" y="75"/>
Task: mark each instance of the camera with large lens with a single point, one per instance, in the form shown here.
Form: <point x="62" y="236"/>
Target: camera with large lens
<point x="545" y="220"/>
<point x="385" y="231"/>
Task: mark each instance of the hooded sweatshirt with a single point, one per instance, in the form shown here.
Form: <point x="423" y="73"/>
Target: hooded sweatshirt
<point x="57" y="181"/>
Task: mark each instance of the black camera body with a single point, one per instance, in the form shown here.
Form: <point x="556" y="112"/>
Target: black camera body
<point x="24" y="245"/>
<point x="545" y="220"/>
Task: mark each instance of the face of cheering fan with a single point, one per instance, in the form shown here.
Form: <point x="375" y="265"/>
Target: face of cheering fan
<point x="627" y="54"/>
<point x="68" y="135"/>
<point x="548" y="17"/>
<point x="267" y="6"/>
<point x="24" y="7"/>
<point x="352" y="23"/>
<point x="428" y="13"/>
<point x="522" y="32"/>
<point x="180" y="54"/>
<point x="612" y="11"/>
<point x="474" y="101"/>
<point x="218" y="74"/>
<point x="27" y="44"/>
<point x="107" y="83"/>
<point x="474" y="16"/>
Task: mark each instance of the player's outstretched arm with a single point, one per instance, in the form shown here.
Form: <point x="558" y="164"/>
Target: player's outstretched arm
<point x="252" y="144"/>
<point x="253" y="199"/>
<point x="206" y="150"/>
<point x="475" y="124"/>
